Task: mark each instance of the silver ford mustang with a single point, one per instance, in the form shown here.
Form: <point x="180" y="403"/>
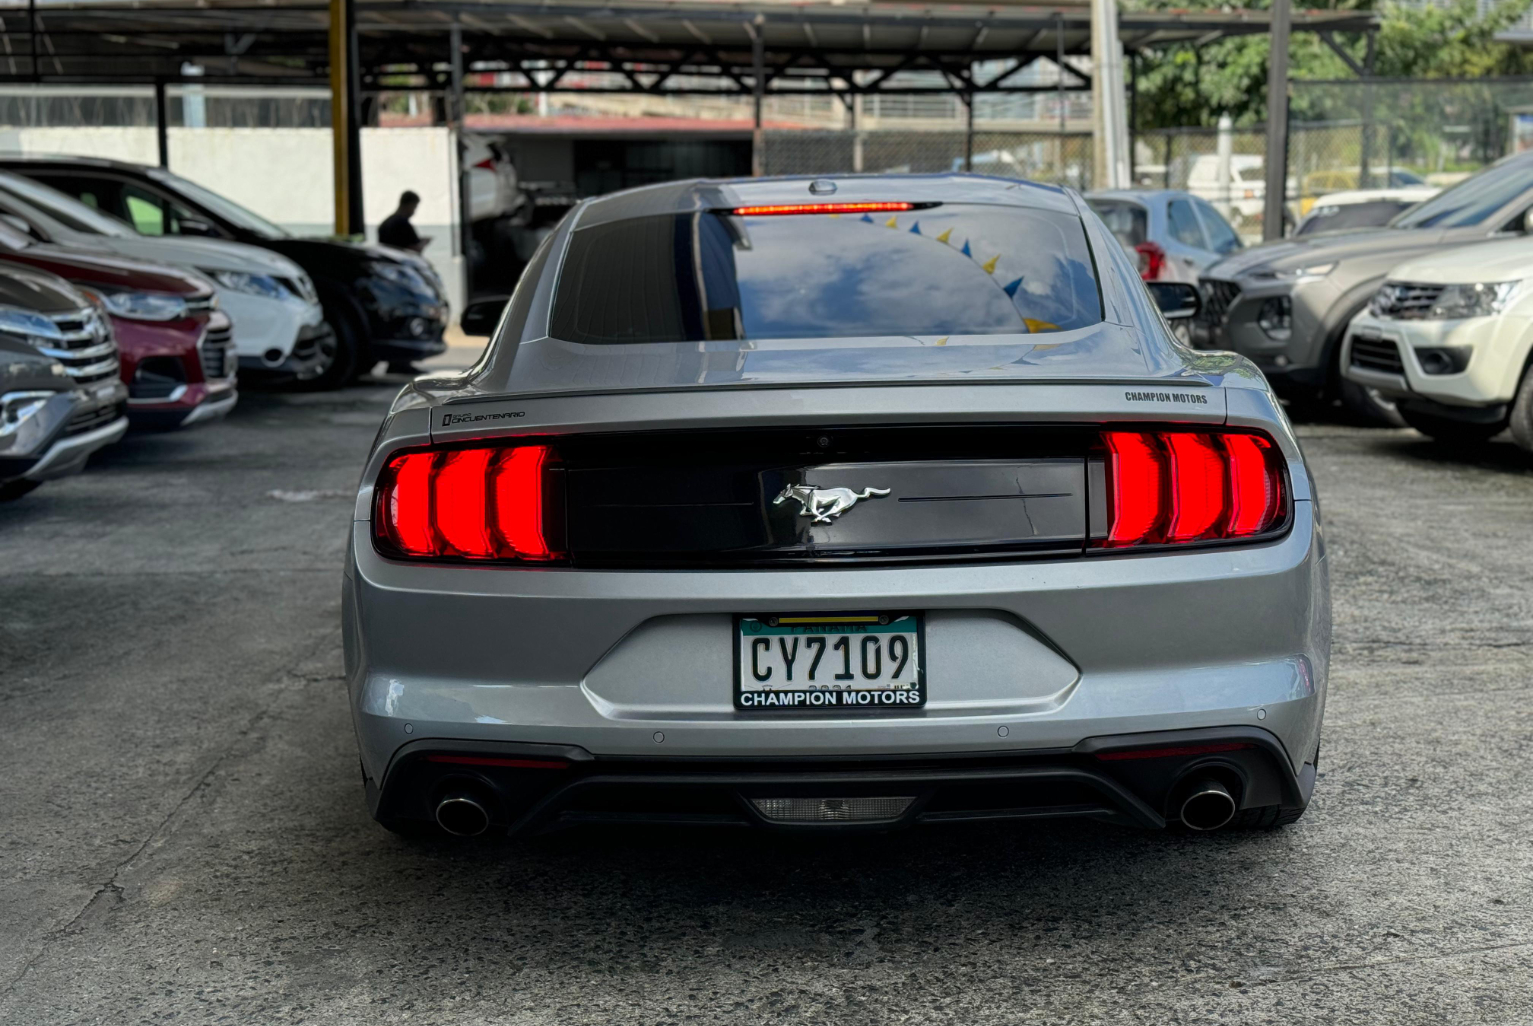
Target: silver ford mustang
<point x="837" y="503"/>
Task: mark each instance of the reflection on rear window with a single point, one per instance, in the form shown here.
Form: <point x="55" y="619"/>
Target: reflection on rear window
<point x="951" y="269"/>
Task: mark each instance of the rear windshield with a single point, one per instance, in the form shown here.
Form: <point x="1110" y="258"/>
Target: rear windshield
<point x="1124" y="219"/>
<point x="949" y="269"/>
<point x="1373" y="214"/>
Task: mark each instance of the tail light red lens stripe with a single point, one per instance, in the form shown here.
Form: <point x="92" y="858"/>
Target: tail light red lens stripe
<point x="1178" y="487"/>
<point x="820" y="208"/>
<point x="1135" y="471"/>
<point x="487" y="502"/>
<point x="1198" y="500"/>
<point x="519" y="501"/>
<point x="1256" y="492"/>
<point x="458" y="502"/>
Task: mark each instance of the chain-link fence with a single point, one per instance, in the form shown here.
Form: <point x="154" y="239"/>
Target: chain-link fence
<point x="1062" y="157"/>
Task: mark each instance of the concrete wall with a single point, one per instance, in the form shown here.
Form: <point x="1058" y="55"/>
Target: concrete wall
<point x="285" y="174"/>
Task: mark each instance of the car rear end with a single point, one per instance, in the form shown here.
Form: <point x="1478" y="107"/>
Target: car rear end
<point x="749" y="576"/>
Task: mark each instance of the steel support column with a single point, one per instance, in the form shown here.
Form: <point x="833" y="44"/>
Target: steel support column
<point x="968" y="131"/>
<point x="464" y="243"/>
<point x="1277" y="123"/>
<point x="161" y="122"/>
<point x="758" y="95"/>
<point x="345" y="128"/>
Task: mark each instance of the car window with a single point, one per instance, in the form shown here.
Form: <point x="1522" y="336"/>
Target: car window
<point x="1350" y="216"/>
<point x="1184" y="224"/>
<point x="152" y="213"/>
<point x="1474" y="200"/>
<point x="1126" y="220"/>
<point x="947" y="269"/>
<point x="1221" y="237"/>
<point x="62" y="208"/>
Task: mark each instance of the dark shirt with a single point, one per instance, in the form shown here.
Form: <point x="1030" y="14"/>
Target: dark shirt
<point x="397" y="231"/>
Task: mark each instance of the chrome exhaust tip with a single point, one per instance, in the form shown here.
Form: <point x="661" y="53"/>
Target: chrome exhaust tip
<point x="462" y="815"/>
<point x="1208" y="806"/>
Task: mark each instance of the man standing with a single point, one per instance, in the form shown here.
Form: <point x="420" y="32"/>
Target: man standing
<point x="396" y="229"/>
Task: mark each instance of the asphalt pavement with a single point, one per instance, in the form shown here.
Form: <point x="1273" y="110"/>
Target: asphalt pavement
<point x="183" y="836"/>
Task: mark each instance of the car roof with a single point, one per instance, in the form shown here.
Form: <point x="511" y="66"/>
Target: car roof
<point x="72" y="160"/>
<point x="714" y="193"/>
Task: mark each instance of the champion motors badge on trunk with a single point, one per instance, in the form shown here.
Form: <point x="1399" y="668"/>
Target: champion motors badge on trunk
<point x="823" y="504"/>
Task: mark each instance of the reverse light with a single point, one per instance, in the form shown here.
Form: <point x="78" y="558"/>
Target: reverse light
<point x="485" y="503"/>
<point x="1179" y="487"/>
<point x="821" y="208"/>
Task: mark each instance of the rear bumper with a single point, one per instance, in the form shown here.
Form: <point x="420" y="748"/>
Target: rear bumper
<point x="1134" y="780"/>
<point x="638" y="664"/>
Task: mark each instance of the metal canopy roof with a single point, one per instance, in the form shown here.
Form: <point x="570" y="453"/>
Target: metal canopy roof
<point x="676" y="46"/>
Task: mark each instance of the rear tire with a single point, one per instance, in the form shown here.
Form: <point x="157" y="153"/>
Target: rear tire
<point x="13" y="490"/>
<point x="1449" y="431"/>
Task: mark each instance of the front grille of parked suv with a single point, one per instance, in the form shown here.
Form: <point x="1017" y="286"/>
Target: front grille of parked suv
<point x="87" y="350"/>
<point x="218" y="359"/>
<point x="1218" y="297"/>
<point x="1376" y="354"/>
<point x="1403" y="301"/>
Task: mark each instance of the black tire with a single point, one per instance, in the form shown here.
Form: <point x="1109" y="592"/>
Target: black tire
<point x="1521" y="418"/>
<point x="1368" y="407"/>
<point x="341" y="358"/>
<point x="1267" y="817"/>
<point x="1451" y="432"/>
<point x="13" y="490"/>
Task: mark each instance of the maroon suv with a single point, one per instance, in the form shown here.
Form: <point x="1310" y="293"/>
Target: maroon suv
<point x="176" y="348"/>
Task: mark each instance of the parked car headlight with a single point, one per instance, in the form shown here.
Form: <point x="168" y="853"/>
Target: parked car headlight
<point x="402" y="275"/>
<point x="1313" y="272"/>
<point x="253" y="284"/>
<point x="139" y="306"/>
<point x="1481" y="299"/>
<point x="29" y="326"/>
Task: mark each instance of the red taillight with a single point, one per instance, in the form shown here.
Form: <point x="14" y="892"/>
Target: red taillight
<point x="1152" y="261"/>
<point x="1189" y="486"/>
<point x="480" y="503"/>
<point x="821" y="208"/>
<point x="1135" y="470"/>
<point x="487" y="164"/>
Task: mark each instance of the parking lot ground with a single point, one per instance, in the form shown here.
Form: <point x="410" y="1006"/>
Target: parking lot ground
<point x="183" y="836"/>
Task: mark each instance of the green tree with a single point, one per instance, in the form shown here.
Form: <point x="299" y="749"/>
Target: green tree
<point x="1182" y="85"/>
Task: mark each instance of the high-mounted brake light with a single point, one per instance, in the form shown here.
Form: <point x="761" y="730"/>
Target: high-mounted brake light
<point x="485" y="503"/>
<point x="1176" y="487"/>
<point x="821" y="208"/>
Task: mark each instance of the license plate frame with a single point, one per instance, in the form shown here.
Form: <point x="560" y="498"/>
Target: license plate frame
<point x="830" y="698"/>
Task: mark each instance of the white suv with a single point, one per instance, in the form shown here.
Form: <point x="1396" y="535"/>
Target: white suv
<point x="1448" y="337"/>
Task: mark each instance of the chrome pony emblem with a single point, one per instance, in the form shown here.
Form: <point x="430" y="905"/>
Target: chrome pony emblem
<point x="824" y="503"/>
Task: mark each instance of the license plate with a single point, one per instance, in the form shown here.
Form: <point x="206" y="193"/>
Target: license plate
<point x="833" y="661"/>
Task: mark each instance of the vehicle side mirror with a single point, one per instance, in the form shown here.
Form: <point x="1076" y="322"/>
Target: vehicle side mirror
<point x="481" y="316"/>
<point x="192" y="226"/>
<point x="1177" y="299"/>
